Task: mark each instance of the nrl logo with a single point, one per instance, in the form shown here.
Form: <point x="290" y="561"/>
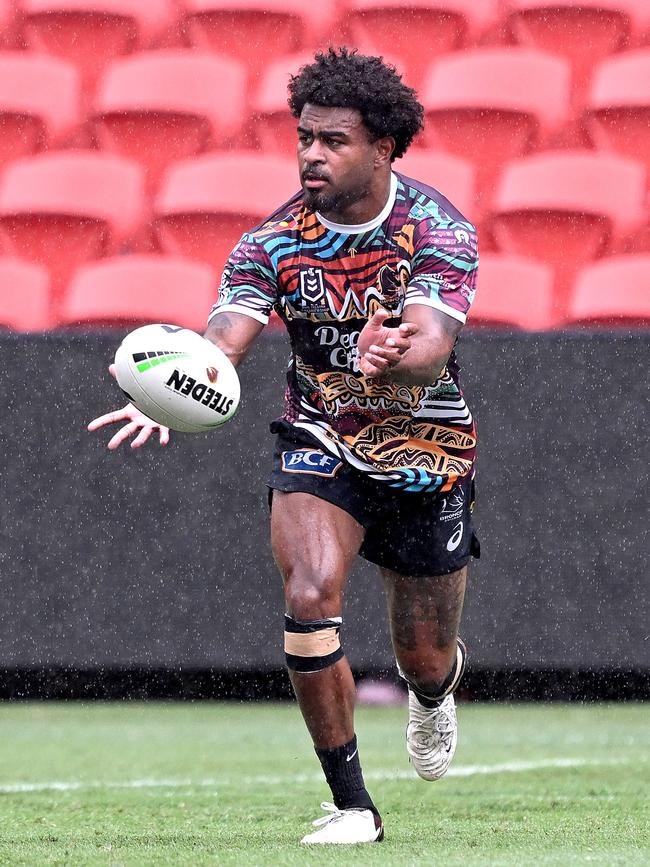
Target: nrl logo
<point x="312" y="285"/>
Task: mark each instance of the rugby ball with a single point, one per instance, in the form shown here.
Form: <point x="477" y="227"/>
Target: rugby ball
<point x="177" y="378"/>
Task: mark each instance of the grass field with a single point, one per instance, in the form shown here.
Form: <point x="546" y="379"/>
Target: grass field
<point x="237" y="784"/>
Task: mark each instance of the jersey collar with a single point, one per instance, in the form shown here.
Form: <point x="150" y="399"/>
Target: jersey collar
<point x="358" y="228"/>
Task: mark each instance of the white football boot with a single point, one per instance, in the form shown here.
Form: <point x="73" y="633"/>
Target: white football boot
<point x="346" y="826"/>
<point x="431" y="736"/>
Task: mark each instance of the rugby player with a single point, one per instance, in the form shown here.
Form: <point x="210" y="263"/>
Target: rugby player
<point x="373" y="274"/>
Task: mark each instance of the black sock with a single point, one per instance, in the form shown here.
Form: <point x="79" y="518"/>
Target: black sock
<point x="424" y="700"/>
<point x="342" y="771"/>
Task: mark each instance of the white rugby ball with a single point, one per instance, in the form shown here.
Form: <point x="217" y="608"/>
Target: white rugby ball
<point x="177" y="378"/>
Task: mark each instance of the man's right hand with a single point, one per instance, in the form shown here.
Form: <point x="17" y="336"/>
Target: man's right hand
<point x="137" y="423"/>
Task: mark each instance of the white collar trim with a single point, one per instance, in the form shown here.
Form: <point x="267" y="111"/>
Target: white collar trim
<point x="359" y="228"/>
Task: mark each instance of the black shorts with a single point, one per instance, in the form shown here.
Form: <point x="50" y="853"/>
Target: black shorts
<point x="412" y="534"/>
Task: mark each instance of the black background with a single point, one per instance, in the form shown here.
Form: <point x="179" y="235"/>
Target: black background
<point x="159" y="558"/>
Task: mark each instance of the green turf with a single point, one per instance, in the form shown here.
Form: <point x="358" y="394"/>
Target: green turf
<point x="233" y="784"/>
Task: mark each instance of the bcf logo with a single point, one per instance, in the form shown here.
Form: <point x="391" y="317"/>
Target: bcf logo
<point x="310" y="461"/>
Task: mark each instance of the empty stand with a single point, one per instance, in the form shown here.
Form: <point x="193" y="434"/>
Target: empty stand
<point x="513" y="292"/>
<point x="207" y="203"/>
<point x="39" y="102"/>
<point x="62" y="208"/>
<point x="489" y="105"/>
<point x="8" y="35"/>
<point x="618" y="107"/>
<point x="273" y="125"/>
<point x="566" y="208"/>
<point x="132" y="290"/>
<point x="450" y="175"/>
<point x="639" y="241"/>
<point x="89" y="33"/>
<point x="161" y="106"/>
<point x="417" y="31"/>
<point x="24" y="296"/>
<point x="254" y="32"/>
<point x="612" y="292"/>
<point x="582" y="31"/>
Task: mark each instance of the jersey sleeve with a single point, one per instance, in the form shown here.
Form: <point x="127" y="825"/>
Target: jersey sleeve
<point x="444" y="267"/>
<point x="249" y="283"/>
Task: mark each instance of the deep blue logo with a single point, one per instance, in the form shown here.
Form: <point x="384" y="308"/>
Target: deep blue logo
<point x="311" y="461"/>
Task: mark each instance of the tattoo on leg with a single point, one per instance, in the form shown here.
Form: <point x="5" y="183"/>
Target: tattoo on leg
<point x="425" y="609"/>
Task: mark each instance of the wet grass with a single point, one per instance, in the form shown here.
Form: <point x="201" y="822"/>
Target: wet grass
<point x="237" y="784"/>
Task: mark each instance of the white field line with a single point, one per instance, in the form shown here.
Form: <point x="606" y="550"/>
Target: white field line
<point x="275" y="780"/>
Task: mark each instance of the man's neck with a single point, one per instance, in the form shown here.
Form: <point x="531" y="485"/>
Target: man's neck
<point x="348" y="218"/>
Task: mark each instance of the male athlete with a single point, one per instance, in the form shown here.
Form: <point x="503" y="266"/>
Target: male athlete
<point x="373" y="275"/>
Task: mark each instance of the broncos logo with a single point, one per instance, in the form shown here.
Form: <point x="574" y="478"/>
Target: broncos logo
<point x="392" y="283"/>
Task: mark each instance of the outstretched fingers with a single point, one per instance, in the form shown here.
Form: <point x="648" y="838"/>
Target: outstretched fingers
<point x="125" y="432"/>
<point x="109" y="418"/>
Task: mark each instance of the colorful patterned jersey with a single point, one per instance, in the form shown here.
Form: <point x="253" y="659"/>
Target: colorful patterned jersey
<point x="325" y="280"/>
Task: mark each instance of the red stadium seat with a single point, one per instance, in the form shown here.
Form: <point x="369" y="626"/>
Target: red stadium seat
<point x="8" y="34"/>
<point x="62" y="208"/>
<point x="39" y="102"/>
<point x="24" y="296"/>
<point x="132" y="290"/>
<point x="492" y="104"/>
<point x="639" y="241"/>
<point x="89" y="33"/>
<point x="161" y="106"/>
<point x="450" y="175"/>
<point x="614" y="291"/>
<point x="207" y="203"/>
<point x="581" y="31"/>
<point x="273" y="125"/>
<point x="513" y="292"/>
<point x="255" y="32"/>
<point x="417" y="30"/>
<point x="618" y="107"/>
<point x="566" y="208"/>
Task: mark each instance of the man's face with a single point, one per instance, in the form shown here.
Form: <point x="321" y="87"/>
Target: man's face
<point x="335" y="158"/>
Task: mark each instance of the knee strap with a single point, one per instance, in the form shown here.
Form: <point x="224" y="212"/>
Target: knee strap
<point x="312" y="645"/>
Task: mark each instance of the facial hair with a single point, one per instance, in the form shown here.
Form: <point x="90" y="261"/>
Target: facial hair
<point x="332" y="203"/>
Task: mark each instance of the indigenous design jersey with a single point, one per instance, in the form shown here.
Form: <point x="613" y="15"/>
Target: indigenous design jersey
<point x="325" y="280"/>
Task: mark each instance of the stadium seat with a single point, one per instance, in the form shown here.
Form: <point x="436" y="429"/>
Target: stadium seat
<point x="450" y="175"/>
<point x="205" y="204"/>
<point x="513" y="292"/>
<point x="62" y="208"/>
<point x="566" y="208"/>
<point x="8" y="30"/>
<point x="254" y="32"/>
<point x="581" y="31"/>
<point x="133" y="290"/>
<point x="614" y="291"/>
<point x="161" y="106"/>
<point x="24" y="295"/>
<point x="618" y="107"/>
<point x="272" y="124"/>
<point x="89" y="33"/>
<point x="39" y="103"/>
<point x="417" y="30"/>
<point x="639" y="241"/>
<point x="489" y="105"/>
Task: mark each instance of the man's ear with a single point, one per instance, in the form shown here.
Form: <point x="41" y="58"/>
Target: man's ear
<point x="384" y="148"/>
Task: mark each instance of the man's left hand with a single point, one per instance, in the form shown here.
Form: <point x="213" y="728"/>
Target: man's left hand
<point x="381" y="348"/>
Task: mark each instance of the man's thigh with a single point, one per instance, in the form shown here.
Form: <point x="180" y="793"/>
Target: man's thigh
<point x="312" y="539"/>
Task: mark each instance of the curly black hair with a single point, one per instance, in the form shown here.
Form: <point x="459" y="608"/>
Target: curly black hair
<point x="346" y="79"/>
